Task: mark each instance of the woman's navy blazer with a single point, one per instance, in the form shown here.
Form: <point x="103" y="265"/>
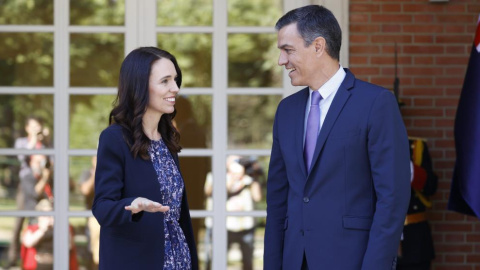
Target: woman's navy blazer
<point x="131" y="241"/>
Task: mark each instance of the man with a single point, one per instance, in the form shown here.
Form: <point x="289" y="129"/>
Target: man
<point x="339" y="178"/>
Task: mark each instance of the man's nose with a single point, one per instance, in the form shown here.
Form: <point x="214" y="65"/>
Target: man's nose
<point x="282" y="59"/>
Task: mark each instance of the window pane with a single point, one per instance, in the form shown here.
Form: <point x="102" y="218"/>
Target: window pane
<point x="86" y="233"/>
<point x="245" y="242"/>
<point x="88" y="117"/>
<point x="9" y="180"/>
<point x="254" y="12"/>
<point x="194" y="56"/>
<point x="194" y="172"/>
<point x="26" y="122"/>
<point x="95" y="59"/>
<point x="246" y="183"/>
<point x="184" y="13"/>
<point x="26" y="59"/>
<point x="17" y="230"/>
<point x="250" y="120"/>
<point x="82" y="181"/>
<point x="25" y="181"/>
<point x="252" y="61"/>
<point x="194" y="120"/>
<point x="97" y="12"/>
<point x="203" y="238"/>
<point x="26" y="12"/>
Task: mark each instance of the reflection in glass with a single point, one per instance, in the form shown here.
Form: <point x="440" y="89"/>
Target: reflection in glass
<point x="245" y="243"/>
<point x="27" y="233"/>
<point x="86" y="239"/>
<point x="38" y="12"/>
<point x="184" y="13"/>
<point x="82" y="182"/>
<point x="194" y="172"/>
<point x="9" y="180"/>
<point x="254" y="12"/>
<point x="7" y="241"/>
<point x="25" y="180"/>
<point x="252" y="61"/>
<point x="88" y="117"/>
<point x="194" y="120"/>
<point x="194" y="56"/>
<point x="95" y="59"/>
<point x="26" y="122"/>
<point x="37" y="239"/>
<point x="26" y="59"/>
<point x="203" y="238"/>
<point x="246" y="182"/>
<point x="250" y="120"/>
<point x="97" y="12"/>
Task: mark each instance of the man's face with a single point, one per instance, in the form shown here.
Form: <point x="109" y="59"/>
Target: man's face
<point x="301" y="61"/>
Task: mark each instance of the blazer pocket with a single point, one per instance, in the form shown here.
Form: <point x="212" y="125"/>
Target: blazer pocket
<point x="344" y="134"/>
<point x="357" y="223"/>
<point x="121" y="235"/>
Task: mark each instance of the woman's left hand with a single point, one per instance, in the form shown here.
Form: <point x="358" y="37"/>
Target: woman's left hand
<point x="143" y="204"/>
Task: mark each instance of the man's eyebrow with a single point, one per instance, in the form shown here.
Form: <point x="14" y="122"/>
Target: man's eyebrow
<point x="284" y="46"/>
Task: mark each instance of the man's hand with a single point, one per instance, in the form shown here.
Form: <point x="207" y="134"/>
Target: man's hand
<point x="142" y="204"/>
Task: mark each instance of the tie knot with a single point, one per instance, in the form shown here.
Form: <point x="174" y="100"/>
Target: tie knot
<point x="316" y="97"/>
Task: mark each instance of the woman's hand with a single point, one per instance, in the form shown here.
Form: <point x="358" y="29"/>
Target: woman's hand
<point x="142" y="204"/>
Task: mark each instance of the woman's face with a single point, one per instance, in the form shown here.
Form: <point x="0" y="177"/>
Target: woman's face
<point x="33" y="127"/>
<point x="162" y="87"/>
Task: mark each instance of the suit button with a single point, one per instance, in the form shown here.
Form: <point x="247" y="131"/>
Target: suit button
<point x="306" y="199"/>
<point x="301" y="231"/>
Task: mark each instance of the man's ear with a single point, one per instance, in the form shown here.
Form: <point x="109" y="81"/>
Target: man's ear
<point x="320" y="45"/>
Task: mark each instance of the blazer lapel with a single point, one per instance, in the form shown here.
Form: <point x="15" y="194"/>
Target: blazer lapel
<point x="299" y="129"/>
<point x="339" y="101"/>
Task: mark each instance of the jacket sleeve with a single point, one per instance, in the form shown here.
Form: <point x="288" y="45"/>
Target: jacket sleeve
<point x="277" y="198"/>
<point x="109" y="204"/>
<point x="388" y="150"/>
<point x="186" y="225"/>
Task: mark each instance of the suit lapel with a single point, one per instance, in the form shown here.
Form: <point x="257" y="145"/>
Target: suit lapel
<point x="339" y="101"/>
<point x="299" y="129"/>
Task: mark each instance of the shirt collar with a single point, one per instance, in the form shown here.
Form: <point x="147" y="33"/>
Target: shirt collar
<point x="332" y="84"/>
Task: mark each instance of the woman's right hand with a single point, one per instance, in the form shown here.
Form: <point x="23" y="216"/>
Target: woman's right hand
<point x="143" y="204"/>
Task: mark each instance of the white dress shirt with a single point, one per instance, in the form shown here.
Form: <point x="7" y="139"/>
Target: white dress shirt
<point x="328" y="91"/>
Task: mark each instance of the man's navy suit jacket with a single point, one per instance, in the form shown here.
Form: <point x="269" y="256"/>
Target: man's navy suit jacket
<point x="347" y="213"/>
<point x="131" y="241"/>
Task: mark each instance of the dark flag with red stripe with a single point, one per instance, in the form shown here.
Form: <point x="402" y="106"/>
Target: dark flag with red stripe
<point x="465" y="189"/>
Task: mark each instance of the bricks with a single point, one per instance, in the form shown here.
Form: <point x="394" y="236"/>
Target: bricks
<point x="388" y="18"/>
<point x="423" y="49"/>
<point x="364" y="7"/>
<point x="434" y="41"/>
<point x="424" y="28"/>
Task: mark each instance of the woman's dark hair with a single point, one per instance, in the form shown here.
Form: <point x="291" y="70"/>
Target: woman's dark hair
<point x="315" y="21"/>
<point x="133" y="97"/>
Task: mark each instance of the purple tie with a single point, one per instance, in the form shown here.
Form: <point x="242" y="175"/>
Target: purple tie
<point x="313" y="124"/>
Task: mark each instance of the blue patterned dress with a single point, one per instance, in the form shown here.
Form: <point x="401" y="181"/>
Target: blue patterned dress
<point x="177" y="253"/>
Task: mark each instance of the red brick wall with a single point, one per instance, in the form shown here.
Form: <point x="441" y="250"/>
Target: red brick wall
<point x="433" y="42"/>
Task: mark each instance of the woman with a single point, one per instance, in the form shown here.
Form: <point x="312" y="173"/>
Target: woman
<point x="140" y="200"/>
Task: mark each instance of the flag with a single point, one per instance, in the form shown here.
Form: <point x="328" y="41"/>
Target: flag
<point x="465" y="189"/>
